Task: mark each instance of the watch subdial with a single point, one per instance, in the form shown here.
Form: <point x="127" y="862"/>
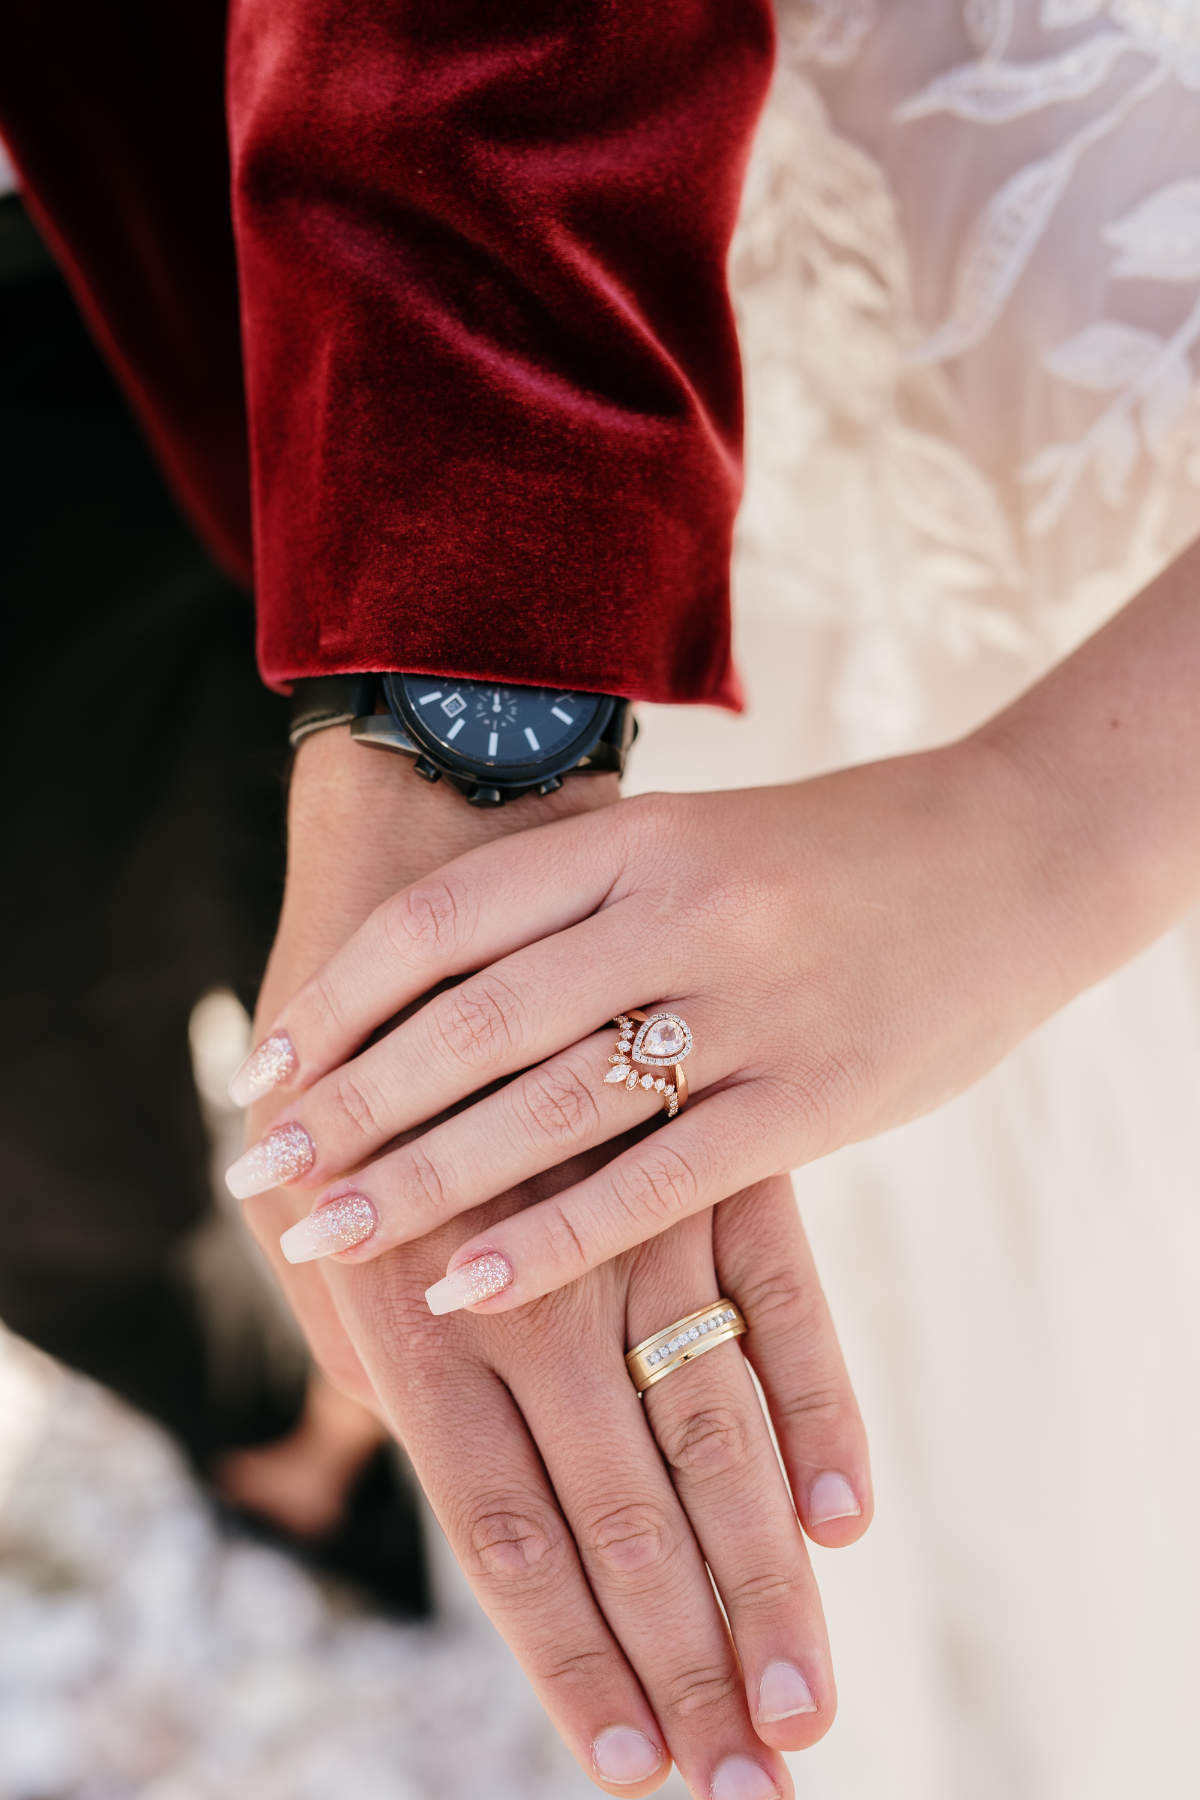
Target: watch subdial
<point x="496" y="710"/>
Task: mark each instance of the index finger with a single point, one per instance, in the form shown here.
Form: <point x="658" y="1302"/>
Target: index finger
<point x="490" y="901"/>
<point x="506" y="1527"/>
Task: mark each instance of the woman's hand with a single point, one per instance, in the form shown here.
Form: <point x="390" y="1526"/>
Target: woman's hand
<point x="583" y="1516"/>
<point x="848" y="952"/>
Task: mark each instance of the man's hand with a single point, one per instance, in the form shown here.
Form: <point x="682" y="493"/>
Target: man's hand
<point x="586" y="1547"/>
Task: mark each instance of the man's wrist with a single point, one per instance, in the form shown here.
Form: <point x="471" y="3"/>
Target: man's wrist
<point x="352" y="807"/>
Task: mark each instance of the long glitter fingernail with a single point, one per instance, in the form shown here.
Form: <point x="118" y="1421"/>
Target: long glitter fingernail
<point x="271" y="1065"/>
<point x="475" y="1281"/>
<point x="282" y="1156"/>
<point x="337" y="1224"/>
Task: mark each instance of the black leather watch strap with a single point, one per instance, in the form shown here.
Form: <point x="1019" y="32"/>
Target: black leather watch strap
<point x="322" y="700"/>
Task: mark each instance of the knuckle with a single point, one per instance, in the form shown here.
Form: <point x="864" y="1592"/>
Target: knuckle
<point x="782" y="1298"/>
<point x="389" y="1318"/>
<point x="702" y="1690"/>
<point x="706" y="1444"/>
<point x="631" y="1541"/>
<point x="424" y="1189"/>
<point x="823" y="1411"/>
<point x="558" y="1106"/>
<point x="661" y="1185"/>
<point x="562" y="1244"/>
<point x="323" y="1005"/>
<point x="766" y="1590"/>
<point x="478" y="1020"/>
<point x="513" y="1539"/>
<point x="429" y="917"/>
<point x="357" y="1111"/>
<point x="559" y="1666"/>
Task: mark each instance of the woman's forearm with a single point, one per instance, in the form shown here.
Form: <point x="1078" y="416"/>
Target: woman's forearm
<point x="1108" y="745"/>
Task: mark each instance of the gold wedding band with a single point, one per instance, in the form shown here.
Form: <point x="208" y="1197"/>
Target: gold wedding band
<point x="660" y="1043"/>
<point x="683" y="1342"/>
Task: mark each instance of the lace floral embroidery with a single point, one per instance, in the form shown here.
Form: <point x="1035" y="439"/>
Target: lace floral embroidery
<point x="1037" y="101"/>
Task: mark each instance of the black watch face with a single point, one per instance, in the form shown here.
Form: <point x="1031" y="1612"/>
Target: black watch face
<point x="508" y="732"/>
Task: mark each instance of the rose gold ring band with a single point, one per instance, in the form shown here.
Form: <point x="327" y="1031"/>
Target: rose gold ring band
<point x="652" y="1055"/>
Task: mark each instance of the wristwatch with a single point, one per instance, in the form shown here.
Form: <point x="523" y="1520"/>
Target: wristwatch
<point x="492" y="743"/>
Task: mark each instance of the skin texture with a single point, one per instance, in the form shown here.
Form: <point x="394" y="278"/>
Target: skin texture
<point x="881" y="938"/>
<point x="583" y="1516"/>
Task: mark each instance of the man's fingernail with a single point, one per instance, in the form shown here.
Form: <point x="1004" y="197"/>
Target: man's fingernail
<point x="831" y="1497"/>
<point x="337" y="1224"/>
<point x="623" y="1753"/>
<point x="271" y="1065"/>
<point x="782" y="1693"/>
<point x="283" y="1155"/>
<point x="741" y="1778"/>
<point x="475" y="1281"/>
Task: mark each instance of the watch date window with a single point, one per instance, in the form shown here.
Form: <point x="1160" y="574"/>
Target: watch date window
<point x="453" y="705"/>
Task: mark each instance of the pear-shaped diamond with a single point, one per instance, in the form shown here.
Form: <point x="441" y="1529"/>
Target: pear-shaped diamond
<point x="664" y="1038"/>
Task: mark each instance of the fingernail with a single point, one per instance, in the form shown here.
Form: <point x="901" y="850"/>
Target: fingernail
<point x="283" y="1155"/>
<point x="271" y="1065"/>
<point x="831" y="1497"/>
<point x="475" y="1281"/>
<point x="335" y="1225"/>
<point x="782" y="1693"/>
<point x="741" y="1778"/>
<point x="623" y="1754"/>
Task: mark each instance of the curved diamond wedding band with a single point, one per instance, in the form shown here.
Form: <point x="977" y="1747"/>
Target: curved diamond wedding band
<point x="662" y="1041"/>
<point x="683" y="1342"/>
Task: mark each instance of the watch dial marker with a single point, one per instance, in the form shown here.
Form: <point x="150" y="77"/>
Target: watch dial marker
<point x="498" y="734"/>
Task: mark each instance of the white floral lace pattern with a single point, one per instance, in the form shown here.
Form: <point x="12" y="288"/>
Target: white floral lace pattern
<point x="983" y="217"/>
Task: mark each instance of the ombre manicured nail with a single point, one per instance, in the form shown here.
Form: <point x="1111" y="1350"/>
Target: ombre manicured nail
<point x="741" y="1778"/>
<point x="283" y="1155"/>
<point x="782" y="1693"/>
<point x="831" y="1497"/>
<point x="271" y="1065"/>
<point x="337" y="1224"/>
<point x="475" y="1281"/>
<point x="624" y="1754"/>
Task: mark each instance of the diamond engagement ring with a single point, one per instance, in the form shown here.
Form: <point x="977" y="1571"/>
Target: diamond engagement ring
<point x="662" y="1040"/>
<point x="683" y="1342"/>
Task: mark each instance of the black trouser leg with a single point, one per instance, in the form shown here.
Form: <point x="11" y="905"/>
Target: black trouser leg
<point x="142" y="813"/>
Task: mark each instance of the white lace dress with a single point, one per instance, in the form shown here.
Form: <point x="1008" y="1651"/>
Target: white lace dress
<point x="968" y="275"/>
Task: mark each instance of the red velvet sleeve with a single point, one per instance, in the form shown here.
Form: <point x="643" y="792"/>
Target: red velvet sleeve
<point x="493" y="385"/>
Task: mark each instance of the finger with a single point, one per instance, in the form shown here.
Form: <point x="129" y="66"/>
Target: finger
<point x="538" y="1120"/>
<point x="645" y="1568"/>
<point x="501" y="1518"/>
<point x="515" y="1013"/>
<point x="307" y="1293"/>
<point x="481" y="906"/>
<point x="710" y="1427"/>
<point x="767" y="1266"/>
<point x="714" y="1148"/>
